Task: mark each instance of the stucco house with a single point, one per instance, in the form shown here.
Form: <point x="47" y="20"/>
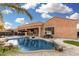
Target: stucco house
<point x="56" y="26"/>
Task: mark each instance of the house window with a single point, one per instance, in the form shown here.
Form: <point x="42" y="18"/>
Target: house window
<point x="49" y="30"/>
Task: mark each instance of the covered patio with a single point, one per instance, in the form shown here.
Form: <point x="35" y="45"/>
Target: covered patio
<point x="33" y="31"/>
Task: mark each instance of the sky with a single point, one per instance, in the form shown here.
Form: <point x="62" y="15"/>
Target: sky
<point x="41" y="12"/>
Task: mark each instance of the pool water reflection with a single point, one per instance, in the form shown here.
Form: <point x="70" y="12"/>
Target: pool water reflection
<point x="26" y="44"/>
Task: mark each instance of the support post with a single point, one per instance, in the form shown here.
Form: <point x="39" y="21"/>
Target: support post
<point x="39" y="34"/>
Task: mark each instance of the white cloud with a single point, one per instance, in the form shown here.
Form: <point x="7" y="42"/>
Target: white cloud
<point x="8" y="25"/>
<point x="74" y="16"/>
<point x="6" y="11"/>
<point x="26" y="23"/>
<point x="20" y="20"/>
<point x="53" y="7"/>
<point x="29" y="5"/>
<point x="67" y="16"/>
<point x="45" y="15"/>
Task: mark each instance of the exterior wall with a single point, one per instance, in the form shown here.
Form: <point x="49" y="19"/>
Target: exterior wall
<point x="63" y="28"/>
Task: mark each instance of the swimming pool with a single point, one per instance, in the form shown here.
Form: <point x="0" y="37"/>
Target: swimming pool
<point x="27" y="44"/>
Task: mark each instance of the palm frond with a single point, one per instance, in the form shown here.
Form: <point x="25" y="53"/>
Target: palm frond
<point x="1" y="17"/>
<point x="17" y="8"/>
<point x="1" y="20"/>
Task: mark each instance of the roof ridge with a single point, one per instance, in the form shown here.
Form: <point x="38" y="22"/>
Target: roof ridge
<point x="61" y="18"/>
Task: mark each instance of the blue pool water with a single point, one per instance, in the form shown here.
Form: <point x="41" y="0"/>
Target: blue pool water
<point x="26" y="44"/>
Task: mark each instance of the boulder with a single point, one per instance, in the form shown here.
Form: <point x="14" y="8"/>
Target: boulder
<point x="59" y="48"/>
<point x="8" y="45"/>
<point x="2" y="40"/>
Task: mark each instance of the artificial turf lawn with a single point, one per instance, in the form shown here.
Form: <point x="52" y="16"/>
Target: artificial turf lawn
<point x="72" y="42"/>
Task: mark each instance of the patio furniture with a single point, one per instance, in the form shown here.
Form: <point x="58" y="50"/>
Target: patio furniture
<point x="48" y="36"/>
<point x="33" y="37"/>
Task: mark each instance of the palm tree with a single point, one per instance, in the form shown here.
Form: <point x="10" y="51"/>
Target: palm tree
<point x="14" y="7"/>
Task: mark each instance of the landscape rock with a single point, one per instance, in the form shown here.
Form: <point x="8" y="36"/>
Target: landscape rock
<point x="8" y="45"/>
<point x="59" y="48"/>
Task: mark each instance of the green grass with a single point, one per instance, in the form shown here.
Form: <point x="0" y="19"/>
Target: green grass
<point x="72" y="42"/>
<point x="8" y="51"/>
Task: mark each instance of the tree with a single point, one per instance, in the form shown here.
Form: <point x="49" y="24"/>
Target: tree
<point x="14" y="7"/>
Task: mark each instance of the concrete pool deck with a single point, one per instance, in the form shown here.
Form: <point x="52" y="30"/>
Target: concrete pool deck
<point x="69" y="50"/>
